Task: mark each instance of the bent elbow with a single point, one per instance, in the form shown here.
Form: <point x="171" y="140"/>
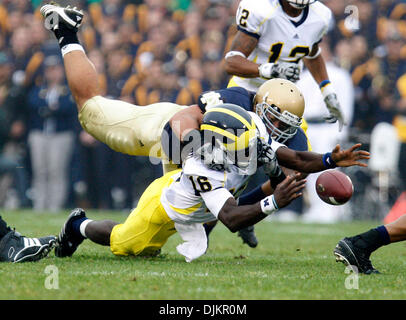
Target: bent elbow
<point x="232" y="228"/>
<point x="229" y="223"/>
<point x="228" y="67"/>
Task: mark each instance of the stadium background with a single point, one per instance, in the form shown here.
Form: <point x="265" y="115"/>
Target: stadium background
<point x="169" y="50"/>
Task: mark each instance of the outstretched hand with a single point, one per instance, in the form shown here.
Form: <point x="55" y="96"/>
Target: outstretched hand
<point x="289" y="189"/>
<point x="349" y="157"/>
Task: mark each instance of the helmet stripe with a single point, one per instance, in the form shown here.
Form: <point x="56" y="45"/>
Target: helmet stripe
<point x="223" y="132"/>
<point x="238" y="143"/>
<point x="235" y="115"/>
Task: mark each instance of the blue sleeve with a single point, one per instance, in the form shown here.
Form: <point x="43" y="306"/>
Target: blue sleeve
<point x="252" y="197"/>
<point x="235" y="95"/>
<point x="298" y="142"/>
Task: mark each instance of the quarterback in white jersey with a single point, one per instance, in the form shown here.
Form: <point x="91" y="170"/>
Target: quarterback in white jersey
<point x="274" y="37"/>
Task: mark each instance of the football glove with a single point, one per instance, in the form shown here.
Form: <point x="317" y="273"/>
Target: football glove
<point x="267" y="159"/>
<point x="333" y="107"/>
<point x="284" y="70"/>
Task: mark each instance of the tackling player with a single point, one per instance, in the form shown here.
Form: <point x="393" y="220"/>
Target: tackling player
<point x="273" y="37"/>
<point x="205" y="189"/>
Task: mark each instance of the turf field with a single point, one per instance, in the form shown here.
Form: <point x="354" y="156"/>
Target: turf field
<point x="292" y="261"/>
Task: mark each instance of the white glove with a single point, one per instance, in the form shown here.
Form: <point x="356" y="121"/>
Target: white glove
<point x="284" y="70"/>
<point x="333" y="106"/>
<point x="269" y="161"/>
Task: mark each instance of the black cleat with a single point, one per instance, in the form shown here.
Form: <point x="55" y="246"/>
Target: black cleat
<point x="351" y="255"/>
<point x="248" y="236"/>
<point x="16" y="248"/>
<point x="55" y="15"/>
<point x="68" y="241"/>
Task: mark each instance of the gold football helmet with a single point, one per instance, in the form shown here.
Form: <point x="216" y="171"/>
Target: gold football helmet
<point x="280" y="105"/>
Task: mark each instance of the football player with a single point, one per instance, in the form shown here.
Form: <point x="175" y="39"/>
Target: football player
<point x="137" y="130"/>
<point x="205" y="189"/>
<point x="279" y="104"/>
<point x="124" y="127"/>
<point x="356" y="250"/>
<point x="16" y="248"/>
<point x="273" y="38"/>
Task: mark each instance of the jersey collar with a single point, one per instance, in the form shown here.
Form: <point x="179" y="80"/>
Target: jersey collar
<point x="302" y="20"/>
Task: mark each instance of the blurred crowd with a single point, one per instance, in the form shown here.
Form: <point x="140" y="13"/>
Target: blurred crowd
<point x="151" y="51"/>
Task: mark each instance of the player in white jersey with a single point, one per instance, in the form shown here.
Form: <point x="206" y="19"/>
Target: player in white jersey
<point x="233" y="141"/>
<point x="274" y="37"/>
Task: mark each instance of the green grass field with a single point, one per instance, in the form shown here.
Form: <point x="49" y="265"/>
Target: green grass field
<point x="292" y="261"/>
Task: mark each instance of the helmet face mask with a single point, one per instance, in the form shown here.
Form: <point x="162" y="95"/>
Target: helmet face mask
<point x="280" y="105"/>
<point x="230" y="139"/>
<point x="288" y="122"/>
<point x="222" y="154"/>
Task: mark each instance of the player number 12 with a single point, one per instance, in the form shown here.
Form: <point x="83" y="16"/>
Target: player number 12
<point x="276" y="50"/>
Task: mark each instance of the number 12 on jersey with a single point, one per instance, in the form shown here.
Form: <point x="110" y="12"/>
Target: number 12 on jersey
<point x="276" y="50"/>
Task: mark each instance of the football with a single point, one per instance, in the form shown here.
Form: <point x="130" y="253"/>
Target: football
<point x="334" y="187"/>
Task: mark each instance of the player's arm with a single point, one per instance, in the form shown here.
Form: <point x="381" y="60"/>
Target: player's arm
<point x="310" y="162"/>
<point x="236" y="62"/>
<point x="236" y="217"/>
<point x="317" y="67"/>
<point x="266" y="187"/>
<point x="316" y="64"/>
<point x="186" y="120"/>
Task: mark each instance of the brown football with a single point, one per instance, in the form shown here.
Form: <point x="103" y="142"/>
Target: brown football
<point x="334" y="187"/>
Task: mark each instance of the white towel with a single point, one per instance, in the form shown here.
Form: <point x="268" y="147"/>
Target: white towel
<point x="195" y="240"/>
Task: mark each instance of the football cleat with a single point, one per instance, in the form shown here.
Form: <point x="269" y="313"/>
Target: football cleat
<point x="16" y="248"/>
<point x="248" y="236"/>
<point x="68" y="241"/>
<point x="55" y="14"/>
<point x="351" y="255"/>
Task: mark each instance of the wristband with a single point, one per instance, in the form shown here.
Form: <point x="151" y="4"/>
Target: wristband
<point x="268" y="205"/>
<point x="265" y="70"/>
<point x="324" y="83"/>
<point x="315" y="56"/>
<point x="328" y="161"/>
<point x="234" y="53"/>
<point x="326" y="89"/>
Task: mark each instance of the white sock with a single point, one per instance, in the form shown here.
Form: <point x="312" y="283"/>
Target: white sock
<point x="71" y="47"/>
<point x="83" y="226"/>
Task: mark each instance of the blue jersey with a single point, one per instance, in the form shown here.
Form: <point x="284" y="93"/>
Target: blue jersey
<point x="235" y="95"/>
<point x="245" y="99"/>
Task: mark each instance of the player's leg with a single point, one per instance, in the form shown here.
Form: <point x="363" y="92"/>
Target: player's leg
<point x="148" y="227"/>
<point x="397" y="229"/>
<point x="80" y="72"/>
<point x="82" y="77"/>
<point x="77" y="228"/>
<point x="16" y="248"/>
<point x="356" y="250"/>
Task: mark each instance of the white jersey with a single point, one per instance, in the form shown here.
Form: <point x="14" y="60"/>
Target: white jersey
<point x="198" y="193"/>
<point x="280" y="37"/>
<point x="195" y="195"/>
